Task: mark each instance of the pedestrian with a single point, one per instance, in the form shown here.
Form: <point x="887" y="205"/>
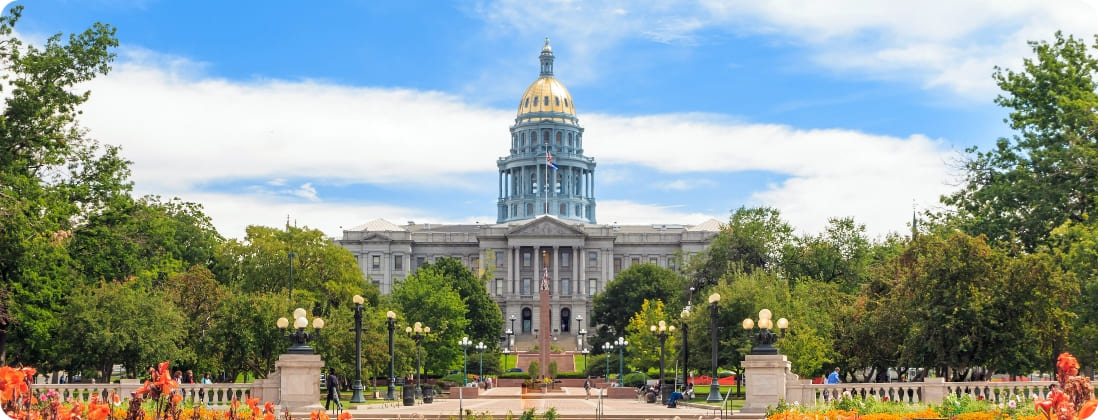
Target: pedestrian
<point x="332" y="383"/>
<point x="833" y="378"/>
<point x="206" y="378"/>
<point x="189" y="377"/>
<point x="587" y="388"/>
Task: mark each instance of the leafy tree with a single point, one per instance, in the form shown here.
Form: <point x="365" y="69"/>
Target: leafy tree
<point x="118" y="323"/>
<point x="615" y="306"/>
<point x="243" y="335"/>
<point x="428" y="297"/>
<point x="51" y="178"/>
<point x="324" y="274"/>
<point x="485" y="318"/>
<point x="754" y="238"/>
<point x="196" y="294"/>
<point x="840" y="255"/>
<point x="1045" y="175"/>
<point x="1075" y="248"/>
<point x="644" y="346"/>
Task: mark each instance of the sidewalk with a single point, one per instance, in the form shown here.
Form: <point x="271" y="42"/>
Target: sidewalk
<point x="500" y="401"/>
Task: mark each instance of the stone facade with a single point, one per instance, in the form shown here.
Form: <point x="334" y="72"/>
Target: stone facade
<point x="534" y="224"/>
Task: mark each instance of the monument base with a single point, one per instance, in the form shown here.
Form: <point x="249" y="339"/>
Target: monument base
<point x="766" y="380"/>
<point x="298" y="376"/>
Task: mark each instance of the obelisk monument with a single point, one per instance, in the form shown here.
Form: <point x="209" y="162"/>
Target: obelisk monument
<point x="544" y="321"/>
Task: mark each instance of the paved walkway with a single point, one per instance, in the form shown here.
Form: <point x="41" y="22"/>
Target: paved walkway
<point x="499" y="401"/>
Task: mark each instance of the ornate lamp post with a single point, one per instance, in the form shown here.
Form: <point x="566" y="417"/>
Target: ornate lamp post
<point x="480" y="352"/>
<point x="683" y="316"/>
<point x="606" y="348"/>
<point x="418" y="333"/>
<point x="465" y="343"/>
<point x="390" y="318"/>
<point x="510" y="343"/>
<point x="582" y="343"/>
<point x="356" y="396"/>
<point x="662" y="331"/>
<point x="299" y="337"/>
<point x="620" y="344"/>
<point x="765" y="338"/>
<point x="714" y="386"/>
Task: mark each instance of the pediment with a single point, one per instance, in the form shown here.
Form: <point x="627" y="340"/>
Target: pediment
<point x="546" y="226"/>
<point x="375" y="236"/>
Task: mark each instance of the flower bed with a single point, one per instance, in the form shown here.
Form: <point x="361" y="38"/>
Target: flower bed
<point x="872" y="408"/>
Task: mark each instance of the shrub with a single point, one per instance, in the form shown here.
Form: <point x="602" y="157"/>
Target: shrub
<point x="635" y="379"/>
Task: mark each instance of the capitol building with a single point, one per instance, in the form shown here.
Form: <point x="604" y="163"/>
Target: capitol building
<point x="545" y="214"/>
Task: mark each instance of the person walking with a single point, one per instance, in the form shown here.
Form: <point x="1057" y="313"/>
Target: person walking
<point x="587" y="388"/>
<point x="332" y="383"/>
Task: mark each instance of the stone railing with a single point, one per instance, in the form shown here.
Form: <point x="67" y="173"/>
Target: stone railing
<point x="932" y="391"/>
<point x="212" y="394"/>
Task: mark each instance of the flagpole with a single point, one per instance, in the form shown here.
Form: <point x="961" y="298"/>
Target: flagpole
<point x="546" y="180"/>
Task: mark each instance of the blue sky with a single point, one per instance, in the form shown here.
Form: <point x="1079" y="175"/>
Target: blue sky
<point x="335" y="113"/>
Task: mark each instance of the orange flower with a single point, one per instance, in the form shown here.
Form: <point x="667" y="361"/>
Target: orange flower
<point x="176" y="398"/>
<point x="1087" y="409"/>
<point x="344" y="416"/>
<point x="1067" y="365"/>
<point x="99" y="412"/>
<point x="269" y="407"/>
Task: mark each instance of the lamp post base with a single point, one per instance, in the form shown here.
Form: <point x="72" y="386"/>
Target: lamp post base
<point x="390" y="393"/>
<point x="356" y="396"/>
<point x="714" y="392"/>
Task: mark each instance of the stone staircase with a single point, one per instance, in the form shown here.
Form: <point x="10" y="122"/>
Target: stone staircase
<point x="565" y="361"/>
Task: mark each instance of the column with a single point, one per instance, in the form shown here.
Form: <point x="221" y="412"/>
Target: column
<point x="537" y="270"/>
<point x="556" y="269"/>
<point x="575" y="270"/>
<point x="514" y="269"/>
<point x="581" y="265"/>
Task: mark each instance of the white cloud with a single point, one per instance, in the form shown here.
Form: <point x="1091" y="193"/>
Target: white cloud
<point x="185" y="132"/>
<point x="936" y="44"/>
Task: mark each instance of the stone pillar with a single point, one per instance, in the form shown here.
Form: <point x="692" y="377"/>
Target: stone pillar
<point x="765" y="377"/>
<point x="299" y="381"/>
<point x="934" y="389"/>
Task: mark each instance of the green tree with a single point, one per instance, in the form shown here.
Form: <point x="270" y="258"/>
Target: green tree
<point x="485" y="318"/>
<point x="754" y="238"/>
<point x="644" y="346"/>
<point x="118" y="323"/>
<point x="52" y="177"/>
<point x="324" y="274"/>
<point x="243" y="335"/>
<point x="615" y="306"/>
<point x="428" y="297"/>
<point x="1045" y="175"/>
<point x="196" y="294"/>
<point x="840" y="255"/>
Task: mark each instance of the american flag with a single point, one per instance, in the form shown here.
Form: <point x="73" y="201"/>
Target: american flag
<point x="549" y="160"/>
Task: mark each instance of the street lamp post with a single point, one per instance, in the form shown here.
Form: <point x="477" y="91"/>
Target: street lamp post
<point x="299" y="337"/>
<point x="765" y="338"/>
<point x="662" y="331"/>
<point x="620" y="344"/>
<point x="510" y="343"/>
<point x="417" y="334"/>
<point x="582" y="343"/>
<point x="606" y="348"/>
<point x="356" y="396"/>
<point x="465" y="343"/>
<point x="390" y="317"/>
<point x="685" y="350"/>
<point x="480" y="352"/>
<point x="714" y="386"/>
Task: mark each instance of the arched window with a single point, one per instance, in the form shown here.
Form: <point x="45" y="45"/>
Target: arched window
<point x="527" y="320"/>
<point x="529" y="209"/>
<point x="563" y="210"/>
<point x="535" y="101"/>
<point x="533" y="137"/>
<point x="557" y="100"/>
<point x="559" y="137"/>
<point x="565" y="320"/>
<point x="545" y="136"/>
<point x="523" y="139"/>
<point x="558" y="185"/>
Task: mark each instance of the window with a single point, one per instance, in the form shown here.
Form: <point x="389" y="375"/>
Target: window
<point x="617" y="265"/>
<point x="592" y="287"/>
<point x="545" y="136"/>
<point x="546" y="101"/>
<point x="565" y="101"/>
<point x="499" y="287"/>
<point x="578" y="211"/>
<point x="563" y="207"/>
<point x="564" y="257"/>
<point x="474" y="263"/>
<point x="527" y="320"/>
<point x="671" y="265"/>
<point x="527" y="101"/>
<point x="530" y="206"/>
<point x="535" y="101"/>
<point x="499" y="259"/>
<point x="557" y="100"/>
<point x="593" y="257"/>
<point x="654" y="261"/>
<point x="526" y="290"/>
<point x="559" y="137"/>
<point x="398" y="262"/>
<point x="419" y="262"/>
<point x="533" y="137"/>
<point x="635" y="261"/>
<point x="526" y="258"/>
<point x="375" y="262"/>
<point x="565" y="287"/>
<point x="523" y="139"/>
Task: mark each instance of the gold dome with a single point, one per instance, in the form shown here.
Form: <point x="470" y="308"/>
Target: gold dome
<point x="546" y="95"/>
